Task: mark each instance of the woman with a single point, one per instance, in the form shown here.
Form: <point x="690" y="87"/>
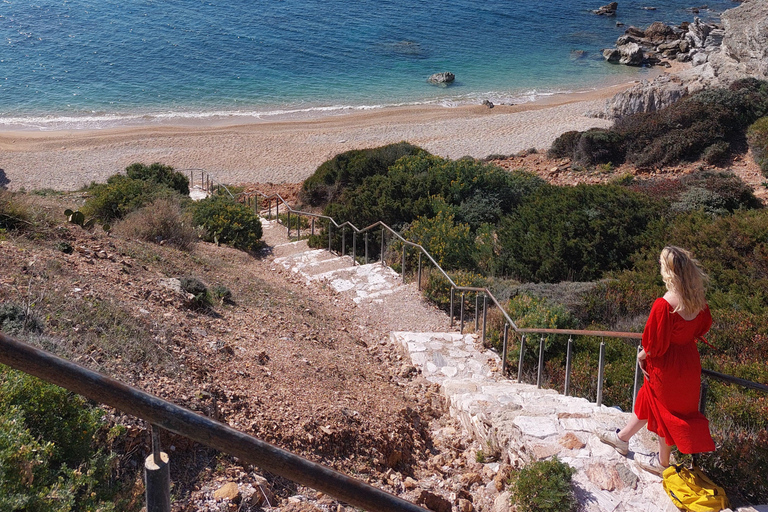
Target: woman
<point x="668" y="401"/>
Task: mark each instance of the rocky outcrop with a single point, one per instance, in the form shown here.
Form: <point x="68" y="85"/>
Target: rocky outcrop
<point x="719" y="55"/>
<point x="660" y="43"/>
<point x="607" y="10"/>
<point x="444" y="78"/>
<point x="743" y="48"/>
<point x="647" y="96"/>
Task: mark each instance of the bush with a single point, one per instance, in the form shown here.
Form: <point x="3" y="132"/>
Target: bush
<point x="544" y="486"/>
<point x="423" y="184"/>
<point x="575" y="233"/>
<point x="15" y="319"/>
<point x="349" y="169"/>
<point x="757" y="136"/>
<point x="49" y="458"/>
<point x="686" y="129"/>
<point x="161" y="222"/>
<point x="160" y="174"/>
<point x="450" y="244"/>
<point x="197" y="288"/>
<point x="121" y="195"/>
<point x="228" y="222"/>
<point x="565" y="145"/>
<point x="598" y="146"/>
<point x="717" y="153"/>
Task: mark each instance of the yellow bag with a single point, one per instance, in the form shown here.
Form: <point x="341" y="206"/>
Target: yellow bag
<point x="691" y="489"/>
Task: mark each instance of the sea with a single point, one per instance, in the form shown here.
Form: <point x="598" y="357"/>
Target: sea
<point x="90" y="64"/>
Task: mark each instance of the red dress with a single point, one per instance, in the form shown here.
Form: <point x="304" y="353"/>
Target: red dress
<point x="669" y="400"/>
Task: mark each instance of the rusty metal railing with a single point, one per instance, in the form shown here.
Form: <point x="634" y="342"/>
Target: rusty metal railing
<point x="171" y="417"/>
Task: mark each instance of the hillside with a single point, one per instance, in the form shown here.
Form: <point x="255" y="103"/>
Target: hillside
<point x="292" y="366"/>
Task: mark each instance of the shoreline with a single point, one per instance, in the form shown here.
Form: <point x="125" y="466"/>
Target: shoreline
<point x="289" y="150"/>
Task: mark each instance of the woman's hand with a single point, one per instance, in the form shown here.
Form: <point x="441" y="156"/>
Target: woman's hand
<point x="641" y="356"/>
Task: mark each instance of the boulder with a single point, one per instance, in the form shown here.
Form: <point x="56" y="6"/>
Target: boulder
<point x="488" y="103"/>
<point x="607" y="10"/>
<point x="612" y="54"/>
<point x="659" y="33"/>
<point x="631" y="54"/>
<point x="443" y="78"/>
<point x="646" y="97"/>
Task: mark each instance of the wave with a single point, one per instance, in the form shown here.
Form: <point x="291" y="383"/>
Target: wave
<point x="104" y="120"/>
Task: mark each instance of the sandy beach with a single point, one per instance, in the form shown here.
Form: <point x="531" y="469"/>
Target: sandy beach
<point x="289" y="151"/>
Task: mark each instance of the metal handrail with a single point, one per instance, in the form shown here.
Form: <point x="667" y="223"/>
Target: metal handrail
<point x="179" y="420"/>
<point x="522" y="332"/>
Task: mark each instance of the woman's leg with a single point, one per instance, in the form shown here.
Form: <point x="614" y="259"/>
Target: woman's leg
<point x="664" y="452"/>
<point x="632" y="427"/>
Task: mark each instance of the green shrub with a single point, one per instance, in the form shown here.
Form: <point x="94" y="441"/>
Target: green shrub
<point x="598" y="146"/>
<point x="423" y="184"/>
<point x="717" y="153"/>
<point x="49" y="458"/>
<point x="221" y="293"/>
<point x="349" y="169"/>
<point x="574" y="233"/>
<point x="161" y="222"/>
<point x="121" y="195"/>
<point x="535" y="313"/>
<point x="198" y="289"/>
<point x="229" y="222"/>
<point x="16" y="319"/>
<point x="565" y="145"/>
<point x="757" y="136"/>
<point x="160" y="174"/>
<point x="449" y="243"/>
<point x="544" y="486"/>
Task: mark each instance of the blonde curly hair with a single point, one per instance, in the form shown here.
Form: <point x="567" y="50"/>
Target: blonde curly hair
<point x="684" y="276"/>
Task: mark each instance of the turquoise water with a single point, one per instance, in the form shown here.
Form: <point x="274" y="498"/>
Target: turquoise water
<point x="89" y="63"/>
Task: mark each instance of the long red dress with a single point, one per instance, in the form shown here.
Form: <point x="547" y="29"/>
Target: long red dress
<point x="669" y="400"/>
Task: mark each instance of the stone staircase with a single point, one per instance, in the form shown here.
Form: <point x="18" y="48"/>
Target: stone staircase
<point x="514" y="421"/>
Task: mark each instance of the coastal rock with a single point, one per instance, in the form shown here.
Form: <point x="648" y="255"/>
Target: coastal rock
<point x="607" y="10"/>
<point x="631" y="54"/>
<point x="488" y="103"/>
<point x="659" y="33"/>
<point x="646" y="96"/>
<point x="743" y="49"/>
<point x="443" y="78"/>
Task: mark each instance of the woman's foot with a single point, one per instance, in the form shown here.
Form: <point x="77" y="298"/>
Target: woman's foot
<point x="612" y="438"/>
<point x="650" y="463"/>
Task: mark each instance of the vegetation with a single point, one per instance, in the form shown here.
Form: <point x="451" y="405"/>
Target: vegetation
<point x="542" y="486"/>
<point x="50" y="454"/>
<point x="159" y="174"/>
<point x="121" y="195"/>
<point x="13" y="213"/>
<point x="757" y="135"/>
<point x="228" y="222"/>
<point x="162" y="221"/>
<point x="349" y="169"/>
<point x="709" y="125"/>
